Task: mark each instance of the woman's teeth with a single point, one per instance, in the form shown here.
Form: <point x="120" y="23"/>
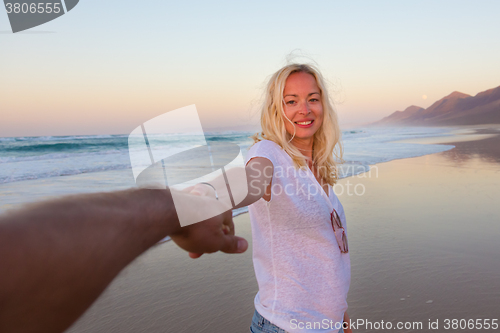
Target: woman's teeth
<point x="304" y="122"/>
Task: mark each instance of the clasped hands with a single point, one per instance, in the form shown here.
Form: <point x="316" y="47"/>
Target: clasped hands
<point x="211" y="235"/>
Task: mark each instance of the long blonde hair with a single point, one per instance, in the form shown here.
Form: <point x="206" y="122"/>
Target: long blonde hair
<point x="326" y="144"/>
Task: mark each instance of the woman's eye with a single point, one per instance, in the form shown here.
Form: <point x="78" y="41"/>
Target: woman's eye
<point x="290" y="102"/>
<point x="314" y="100"/>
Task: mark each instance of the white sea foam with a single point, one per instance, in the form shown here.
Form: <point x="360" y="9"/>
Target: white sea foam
<point x="29" y="158"/>
<point x="59" y="138"/>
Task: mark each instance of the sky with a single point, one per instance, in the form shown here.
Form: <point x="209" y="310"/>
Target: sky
<point x="107" y="66"/>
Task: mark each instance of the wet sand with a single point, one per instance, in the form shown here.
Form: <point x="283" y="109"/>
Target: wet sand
<point x="425" y="229"/>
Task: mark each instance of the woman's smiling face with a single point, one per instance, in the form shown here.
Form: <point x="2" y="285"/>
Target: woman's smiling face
<point x="303" y="105"/>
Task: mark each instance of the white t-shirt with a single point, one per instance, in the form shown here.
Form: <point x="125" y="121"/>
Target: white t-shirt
<point x="302" y="275"/>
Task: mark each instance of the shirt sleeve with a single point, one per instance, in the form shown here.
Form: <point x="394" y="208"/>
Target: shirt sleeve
<point x="266" y="149"/>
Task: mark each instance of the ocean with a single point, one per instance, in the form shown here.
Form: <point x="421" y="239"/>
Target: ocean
<point x="36" y="168"/>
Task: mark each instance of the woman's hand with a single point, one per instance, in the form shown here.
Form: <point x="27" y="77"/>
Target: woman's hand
<point x="202" y="190"/>
<point x="347" y="320"/>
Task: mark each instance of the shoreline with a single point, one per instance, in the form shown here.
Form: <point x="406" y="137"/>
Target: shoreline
<point x="474" y="139"/>
<point x="39" y="187"/>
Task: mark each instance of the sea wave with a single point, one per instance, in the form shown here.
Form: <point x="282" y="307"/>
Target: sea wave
<point x="58" y="156"/>
<point x="60" y="173"/>
<point x="68" y="137"/>
<point x="63" y="146"/>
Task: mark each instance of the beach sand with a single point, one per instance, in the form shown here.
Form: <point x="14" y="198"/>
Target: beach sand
<point x="423" y="243"/>
<point x="427" y="230"/>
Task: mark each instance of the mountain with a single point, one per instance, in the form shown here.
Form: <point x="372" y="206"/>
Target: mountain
<point x="455" y="109"/>
<point x="400" y="116"/>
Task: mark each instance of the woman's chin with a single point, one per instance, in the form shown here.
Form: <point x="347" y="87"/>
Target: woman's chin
<point x="304" y="135"/>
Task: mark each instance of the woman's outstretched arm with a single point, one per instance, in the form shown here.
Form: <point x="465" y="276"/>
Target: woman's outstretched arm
<point x="258" y="175"/>
<point x="57" y="257"/>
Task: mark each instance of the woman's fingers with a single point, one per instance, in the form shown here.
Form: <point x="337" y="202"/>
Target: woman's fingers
<point x="187" y="189"/>
<point x="195" y="255"/>
<point x="203" y="190"/>
<point x="227" y="223"/>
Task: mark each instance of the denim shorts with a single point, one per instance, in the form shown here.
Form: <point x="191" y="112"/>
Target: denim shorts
<point x="262" y="325"/>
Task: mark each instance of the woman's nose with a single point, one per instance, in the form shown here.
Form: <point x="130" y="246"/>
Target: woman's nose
<point x="304" y="109"/>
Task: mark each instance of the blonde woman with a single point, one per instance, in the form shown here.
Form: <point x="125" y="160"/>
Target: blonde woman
<point x="300" y="249"/>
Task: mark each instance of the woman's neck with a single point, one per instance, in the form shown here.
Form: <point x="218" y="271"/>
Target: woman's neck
<point x="305" y="146"/>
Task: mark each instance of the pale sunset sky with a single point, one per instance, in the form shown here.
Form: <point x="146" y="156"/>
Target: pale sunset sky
<point x="107" y="66"/>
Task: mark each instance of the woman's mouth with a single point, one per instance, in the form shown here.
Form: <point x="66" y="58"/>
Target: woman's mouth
<point x="304" y="124"/>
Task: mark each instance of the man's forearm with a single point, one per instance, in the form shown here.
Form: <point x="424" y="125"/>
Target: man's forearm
<point x="72" y="249"/>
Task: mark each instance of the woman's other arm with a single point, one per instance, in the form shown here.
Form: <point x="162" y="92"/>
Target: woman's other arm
<point x="348" y="321"/>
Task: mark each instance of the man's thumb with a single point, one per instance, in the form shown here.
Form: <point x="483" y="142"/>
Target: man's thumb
<point x="234" y="244"/>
